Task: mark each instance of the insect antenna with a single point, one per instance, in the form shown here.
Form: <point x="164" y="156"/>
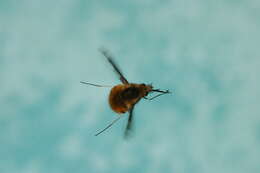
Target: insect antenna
<point x="115" y="120"/>
<point x="96" y="85"/>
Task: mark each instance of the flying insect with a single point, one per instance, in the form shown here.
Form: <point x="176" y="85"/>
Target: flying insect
<point x="123" y="97"/>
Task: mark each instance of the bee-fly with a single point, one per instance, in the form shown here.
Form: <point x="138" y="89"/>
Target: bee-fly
<point x="123" y="97"/>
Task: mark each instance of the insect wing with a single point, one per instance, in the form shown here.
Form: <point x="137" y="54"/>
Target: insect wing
<point x="111" y="61"/>
<point x="129" y="125"/>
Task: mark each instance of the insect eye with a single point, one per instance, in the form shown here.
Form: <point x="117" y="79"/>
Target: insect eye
<point x="143" y="85"/>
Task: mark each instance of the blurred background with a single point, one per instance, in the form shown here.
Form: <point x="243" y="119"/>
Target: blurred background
<point x="206" y="52"/>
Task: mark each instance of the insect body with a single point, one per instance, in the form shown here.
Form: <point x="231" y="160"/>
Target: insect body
<point x="123" y="97"/>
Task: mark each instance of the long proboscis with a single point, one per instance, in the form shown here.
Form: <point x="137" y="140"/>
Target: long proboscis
<point x="159" y="91"/>
<point x="115" y="120"/>
<point x="96" y="85"/>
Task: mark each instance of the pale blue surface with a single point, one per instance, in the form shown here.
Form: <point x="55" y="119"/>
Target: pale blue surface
<point x="206" y="52"/>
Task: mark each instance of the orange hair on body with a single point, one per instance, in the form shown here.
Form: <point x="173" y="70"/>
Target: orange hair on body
<point x="123" y="96"/>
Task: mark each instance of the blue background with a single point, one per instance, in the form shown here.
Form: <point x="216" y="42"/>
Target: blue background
<point x="206" y="52"/>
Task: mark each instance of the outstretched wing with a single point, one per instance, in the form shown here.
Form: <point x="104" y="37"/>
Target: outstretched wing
<point x="117" y="70"/>
<point x="129" y="125"/>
